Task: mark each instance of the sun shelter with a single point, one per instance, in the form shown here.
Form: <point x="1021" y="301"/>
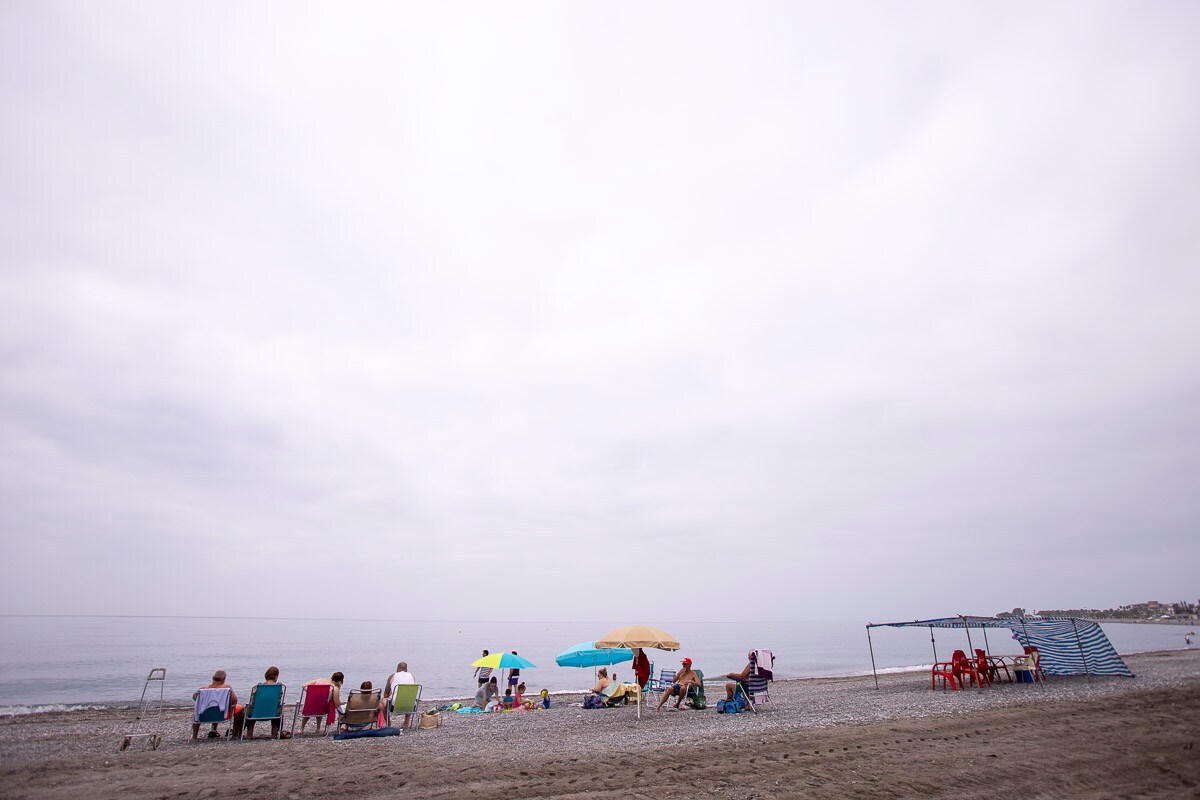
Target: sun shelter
<point x="1066" y="645"/>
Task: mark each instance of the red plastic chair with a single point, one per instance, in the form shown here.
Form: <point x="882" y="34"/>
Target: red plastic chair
<point x="965" y="671"/>
<point x="1036" y="657"/>
<point x="991" y="666"/>
<point x="945" y="671"/>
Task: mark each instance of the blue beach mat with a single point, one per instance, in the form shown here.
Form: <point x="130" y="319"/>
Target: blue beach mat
<point x="368" y="734"/>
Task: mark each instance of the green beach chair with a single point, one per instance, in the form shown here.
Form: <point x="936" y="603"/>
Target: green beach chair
<point x="695" y="694"/>
<point x="266" y="705"/>
<point x="408" y="695"/>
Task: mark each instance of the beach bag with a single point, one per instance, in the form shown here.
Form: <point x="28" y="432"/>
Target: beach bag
<point x="431" y="719"/>
<point x="593" y="701"/>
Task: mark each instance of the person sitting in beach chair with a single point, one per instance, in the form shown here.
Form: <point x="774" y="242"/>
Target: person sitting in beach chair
<point x="740" y="680"/>
<point x="361" y="711"/>
<point x="215" y="703"/>
<point x="319" y="699"/>
<point x="602" y="681"/>
<point x="686" y="680"/>
<point x="266" y="703"/>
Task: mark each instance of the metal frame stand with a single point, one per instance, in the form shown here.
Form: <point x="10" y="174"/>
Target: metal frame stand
<point x="147" y="708"/>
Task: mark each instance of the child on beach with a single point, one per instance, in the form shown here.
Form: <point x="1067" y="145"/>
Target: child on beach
<point x="545" y="702"/>
<point x="518" y="696"/>
<point x="508" y="699"/>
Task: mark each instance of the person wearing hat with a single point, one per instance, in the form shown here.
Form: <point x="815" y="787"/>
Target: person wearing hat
<point x="685" y="678"/>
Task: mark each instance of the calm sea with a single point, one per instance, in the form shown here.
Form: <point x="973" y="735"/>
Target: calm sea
<point x="52" y="662"/>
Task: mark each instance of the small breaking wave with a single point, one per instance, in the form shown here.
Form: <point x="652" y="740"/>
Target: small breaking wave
<point x="50" y="708"/>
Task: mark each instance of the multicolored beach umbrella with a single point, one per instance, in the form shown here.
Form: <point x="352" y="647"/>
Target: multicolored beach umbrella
<point x="504" y="661"/>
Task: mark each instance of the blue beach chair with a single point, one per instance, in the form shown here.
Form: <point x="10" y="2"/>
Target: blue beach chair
<point x="266" y="705"/>
<point x="213" y="706"/>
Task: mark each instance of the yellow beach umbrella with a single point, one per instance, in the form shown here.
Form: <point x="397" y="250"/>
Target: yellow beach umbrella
<point x="638" y="636"/>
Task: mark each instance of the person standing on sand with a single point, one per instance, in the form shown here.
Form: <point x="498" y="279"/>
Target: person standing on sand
<point x="514" y="675"/>
<point x="483" y="673"/>
<point x="1187" y="638"/>
<point x="235" y="709"/>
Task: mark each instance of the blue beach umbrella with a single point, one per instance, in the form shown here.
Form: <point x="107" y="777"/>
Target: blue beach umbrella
<point x="586" y="654"/>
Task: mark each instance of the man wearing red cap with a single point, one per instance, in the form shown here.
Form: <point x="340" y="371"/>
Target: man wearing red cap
<point x="683" y="679"/>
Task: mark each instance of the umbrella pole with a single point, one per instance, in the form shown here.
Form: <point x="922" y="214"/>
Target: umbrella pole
<point x="967" y="628"/>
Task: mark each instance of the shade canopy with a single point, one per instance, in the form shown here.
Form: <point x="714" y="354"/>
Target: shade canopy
<point x="638" y="636"/>
<point x="586" y="654"/>
<point x="1066" y="645"/>
<point x="504" y="661"/>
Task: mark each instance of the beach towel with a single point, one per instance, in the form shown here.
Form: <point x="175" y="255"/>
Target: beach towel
<point x="766" y="663"/>
<point x="368" y="733"/>
<point x="212" y="698"/>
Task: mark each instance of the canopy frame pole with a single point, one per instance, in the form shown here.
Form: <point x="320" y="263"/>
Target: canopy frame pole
<point x="934" y="643"/>
<point x="986" y="646"/>
<point x="967" y="628"/>
<point x="1028" y="642"/>
<point x="871" y="647"/>
<point x="1082" y="655"/>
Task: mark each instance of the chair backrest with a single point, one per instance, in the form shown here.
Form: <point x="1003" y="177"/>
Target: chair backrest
<point x="362" y="708"/>
<point x="666" y="678"/>
<point x="266" y="701"/>
<point x="610" y="689"/>
<point x="211" y="712"/>
<point x="757" y="686"/>
<point x="959" y="661"/>
<point x="1034" y="656"/>
<point x="315" y="699"/>
<point x="406" y="699"/>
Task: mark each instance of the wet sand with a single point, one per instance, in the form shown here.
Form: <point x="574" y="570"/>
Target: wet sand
<point x="1072" y="737"/>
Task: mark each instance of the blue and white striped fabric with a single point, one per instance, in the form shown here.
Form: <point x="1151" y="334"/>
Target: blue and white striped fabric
<point x="1070" y="646"/>
<point x="1066" y="646"/>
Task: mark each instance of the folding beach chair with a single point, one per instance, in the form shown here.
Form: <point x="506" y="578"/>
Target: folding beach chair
<point x="362" y="710"/>
<point x="755" y="691"/>
<point x="694" y="694"/>
<point x="665" y="678"/>
<point x="315" y="701"/>
<point x="266" y="705"/>
<point x="214" y="706"/>
<point x="408" y="695"/>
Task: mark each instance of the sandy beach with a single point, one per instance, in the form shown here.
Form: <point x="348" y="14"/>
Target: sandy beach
<point x="1069" y="737"/>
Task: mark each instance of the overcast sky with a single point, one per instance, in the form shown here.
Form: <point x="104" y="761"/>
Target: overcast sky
<point x="612" y="311"/>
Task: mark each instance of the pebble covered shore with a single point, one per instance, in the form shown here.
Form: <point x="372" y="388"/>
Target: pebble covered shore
<point x="812" y="704"/>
